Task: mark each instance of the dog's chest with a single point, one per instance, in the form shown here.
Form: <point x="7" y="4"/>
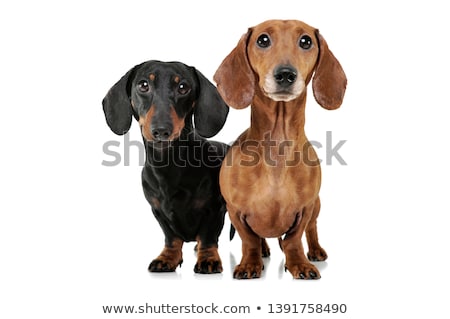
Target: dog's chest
<point x="278" y="191"/>
<point x="268" y="186"/>
<point x="178" y="190"/>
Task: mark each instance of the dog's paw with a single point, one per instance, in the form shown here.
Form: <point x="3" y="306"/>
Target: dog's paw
<point x="303" y="271"/>
<point x="317" y="254"/>
<point x="208" y="267"/>
<point x="248" y="270"/>
<point x="161" y="265"/>
<point x="208" y="261"/>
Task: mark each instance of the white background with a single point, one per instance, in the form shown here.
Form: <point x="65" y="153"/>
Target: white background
<point x="76" y="235"/>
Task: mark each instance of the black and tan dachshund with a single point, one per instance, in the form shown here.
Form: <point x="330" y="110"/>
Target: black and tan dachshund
<point x="181" y="173"/>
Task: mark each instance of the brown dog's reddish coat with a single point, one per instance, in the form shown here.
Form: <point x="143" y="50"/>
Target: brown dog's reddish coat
<point x="276" y="193"/>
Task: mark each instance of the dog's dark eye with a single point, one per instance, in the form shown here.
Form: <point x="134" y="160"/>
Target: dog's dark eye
<point x="305" y="42"/>
<point x="184" y="88"/>
<point x="263" y="41"/>
<point x="143" y="86"/>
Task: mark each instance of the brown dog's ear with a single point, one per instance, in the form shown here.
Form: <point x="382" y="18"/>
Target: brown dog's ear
<point x="329" y="80"/>
<point x="234" y="77"/>
<point x="210" y="111"/>
<point x="117" y="104"/>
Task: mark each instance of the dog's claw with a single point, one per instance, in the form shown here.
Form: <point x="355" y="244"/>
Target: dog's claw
<point x="248" y="271"/>
<point x="304" y="271"/>
<point x="317" y="254"/>
<point x="207" y="267"/>
<point x="160" y="266"/>
<point x="244" y="275"/>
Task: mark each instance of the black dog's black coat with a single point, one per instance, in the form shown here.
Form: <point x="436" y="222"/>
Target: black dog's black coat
<point x="181" y="174"/>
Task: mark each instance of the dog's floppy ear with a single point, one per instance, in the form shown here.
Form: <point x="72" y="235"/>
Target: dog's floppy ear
<point x="234" y="77"/>
<point x="117" y="105"/>
<point x="210" y="111"/>
<point x="329" y="80"/>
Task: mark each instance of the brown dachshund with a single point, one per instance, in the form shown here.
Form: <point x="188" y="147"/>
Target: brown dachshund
<point x="271" y="176"/>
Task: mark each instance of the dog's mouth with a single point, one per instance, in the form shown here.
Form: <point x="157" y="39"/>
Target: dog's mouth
<point x="163" y="144"/>
<point x="282" y="96"/>
<point x="160" y="145"/>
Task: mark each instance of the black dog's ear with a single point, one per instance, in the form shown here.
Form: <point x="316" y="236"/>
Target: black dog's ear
<point x="117" y="105"/>
<point x="210" y="111"/>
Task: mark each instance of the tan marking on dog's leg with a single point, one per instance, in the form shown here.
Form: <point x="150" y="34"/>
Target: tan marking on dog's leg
<point x="208" y="259"/>
<point x="169" y="259"/>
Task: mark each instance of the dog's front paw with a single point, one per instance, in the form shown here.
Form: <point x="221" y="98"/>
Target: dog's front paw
<point x="164" y="265"/>
<point x="303" y="271"/>
<point x="169" y="259"/>
<point x="208" y="267"/>
<point x="248" y="270"/>
<point x="208" y="261"/>
<point x="317" y="254"/>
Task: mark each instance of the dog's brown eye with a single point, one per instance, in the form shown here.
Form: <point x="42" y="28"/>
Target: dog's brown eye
<point x="143" y="86"/>
<point x="184" y="88"/>
<point x="263" y="41"/>
<point x="305" y="42"/>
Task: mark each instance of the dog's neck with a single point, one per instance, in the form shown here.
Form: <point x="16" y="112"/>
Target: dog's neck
<point x="277" y="120"/>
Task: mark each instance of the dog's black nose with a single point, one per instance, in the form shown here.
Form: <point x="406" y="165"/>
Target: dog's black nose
<point x="285" y="76"/>
<point x="161" y="133"/>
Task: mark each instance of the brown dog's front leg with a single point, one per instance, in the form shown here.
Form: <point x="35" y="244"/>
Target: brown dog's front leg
<point x="316" y="252"/>
<point x="251" y="264"/>
<point x="169" y="259"/>
<point x="296" y="261"/>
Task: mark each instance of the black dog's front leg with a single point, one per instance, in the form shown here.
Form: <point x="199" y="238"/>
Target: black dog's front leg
<point x="208" y="259"/>
<point x="171" y="256"/>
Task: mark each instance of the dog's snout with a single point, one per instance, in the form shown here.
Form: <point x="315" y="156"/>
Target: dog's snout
<point x="285" y="76"/>
<point x="161" y="133"/>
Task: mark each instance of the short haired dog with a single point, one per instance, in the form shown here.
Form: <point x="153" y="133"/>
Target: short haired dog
<point x="277" y="195"/>
<point x="181" y="173"/>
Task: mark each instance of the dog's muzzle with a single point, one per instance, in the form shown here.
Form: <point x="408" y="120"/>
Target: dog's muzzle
<point x="284" y="84"/>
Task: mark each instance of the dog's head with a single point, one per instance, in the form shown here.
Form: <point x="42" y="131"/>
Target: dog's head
<point x="162" y="96"/>
<point x="279" y="58"/>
